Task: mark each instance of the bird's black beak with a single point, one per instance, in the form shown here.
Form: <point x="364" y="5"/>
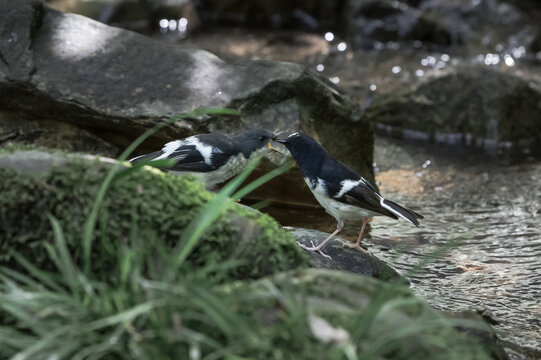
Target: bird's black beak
<point x="275" y="138"/>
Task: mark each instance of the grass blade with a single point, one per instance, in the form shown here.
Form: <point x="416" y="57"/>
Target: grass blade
<point x="48" y="279"/>
<point x="67" y="268"/>
<point x="125" y="316"/>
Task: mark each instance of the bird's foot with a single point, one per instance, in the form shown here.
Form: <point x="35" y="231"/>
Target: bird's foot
<point x="356" y="245"/>
<point x="314" y="249"/>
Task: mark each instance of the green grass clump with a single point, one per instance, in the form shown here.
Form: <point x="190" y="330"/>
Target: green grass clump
<point x="66" y="314"/>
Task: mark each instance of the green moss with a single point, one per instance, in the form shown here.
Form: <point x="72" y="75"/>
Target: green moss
<point x="148" y="207"/>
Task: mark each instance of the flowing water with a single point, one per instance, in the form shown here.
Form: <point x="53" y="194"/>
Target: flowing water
<point x="483" y="214"/>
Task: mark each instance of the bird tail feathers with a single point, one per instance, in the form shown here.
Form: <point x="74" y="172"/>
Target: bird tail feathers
<point x="401" y="212"/>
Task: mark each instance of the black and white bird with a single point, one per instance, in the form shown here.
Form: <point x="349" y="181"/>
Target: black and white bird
<point x="214" y="158"/>
<point x="345" y="195"/>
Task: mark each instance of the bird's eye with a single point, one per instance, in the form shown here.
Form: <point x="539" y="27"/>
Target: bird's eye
<point x="261" y="138"/>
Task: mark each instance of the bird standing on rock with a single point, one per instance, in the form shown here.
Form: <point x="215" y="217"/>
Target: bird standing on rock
<point x="344" y="194"/>
<point x="214" y="158"/>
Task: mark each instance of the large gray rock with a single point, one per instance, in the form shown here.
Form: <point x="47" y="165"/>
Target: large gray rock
<point x="473" y="104"/>
<point x="115" y="84"/>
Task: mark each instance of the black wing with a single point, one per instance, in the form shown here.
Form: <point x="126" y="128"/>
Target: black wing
<point x="188" y="158"/>
<point x="363" y="195"/>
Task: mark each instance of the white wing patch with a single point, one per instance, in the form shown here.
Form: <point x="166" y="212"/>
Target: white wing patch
<point x="320" y="187"/>
<point x="203" y="149"/>
<point x="346" y="185"/>
<point x="169" y="148"/>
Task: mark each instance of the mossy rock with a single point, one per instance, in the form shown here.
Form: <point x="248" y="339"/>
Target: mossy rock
<point x="145" y="206"/>
<point x="359" y="315"/>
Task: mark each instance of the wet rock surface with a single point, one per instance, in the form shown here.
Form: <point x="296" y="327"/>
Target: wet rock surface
<point x="343" y="258"/>
<point x="381" y="20"/>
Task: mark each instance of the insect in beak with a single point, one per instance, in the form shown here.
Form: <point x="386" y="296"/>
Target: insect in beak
<point x="272" y="147"/>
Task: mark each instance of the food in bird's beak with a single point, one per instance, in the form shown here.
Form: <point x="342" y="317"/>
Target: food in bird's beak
<point x="275" y="149"/>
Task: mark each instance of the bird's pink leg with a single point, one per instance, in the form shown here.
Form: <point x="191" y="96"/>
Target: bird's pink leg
<point x="318" y="248"/>
<point x="358" y="242"/>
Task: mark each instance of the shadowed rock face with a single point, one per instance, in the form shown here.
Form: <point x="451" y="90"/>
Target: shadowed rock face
<point x="114" y="84"/>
